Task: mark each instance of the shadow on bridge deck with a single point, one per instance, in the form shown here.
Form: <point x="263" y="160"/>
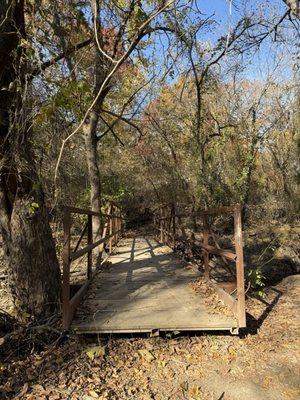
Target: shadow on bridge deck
<point x="146" y="288"/>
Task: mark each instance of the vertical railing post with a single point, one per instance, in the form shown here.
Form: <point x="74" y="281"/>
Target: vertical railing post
<point x="164" y="224"/>
<point x="169" y="222"/>
<point x="104" y="233"/>
<point x="113" y="231"/>
<point x="161" y="226"/>
<point x="179" y="220"/>
<point x="119" y="225"/>
<point x="173" y="225"/>
<point x="240" y="284"/>
<point x="90" y="253"/>
<point x="66" y="269"/>
<point x="205" y="242"/>
<point x="117" y="222"/>
<point x="110" y="233"/>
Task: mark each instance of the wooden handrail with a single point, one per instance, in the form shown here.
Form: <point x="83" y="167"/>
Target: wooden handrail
<point x="76" y="210"/>
<point x="66" y="270"/>
<point x="218" y="252"/>
<point x="81" y="236"/>
<point x="216" y="211"/>
<point x="169" y="231"/>
<point x="114" y="220"/>
<point x="209" y="211"/>
<point x="240" y="279"/>
<point x="81" y="252"/>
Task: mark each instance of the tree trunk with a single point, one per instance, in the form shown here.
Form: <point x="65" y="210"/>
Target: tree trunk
<point x="89" y="130"/>
<point x="250" y="166"/>
<point x="33" y="270"/>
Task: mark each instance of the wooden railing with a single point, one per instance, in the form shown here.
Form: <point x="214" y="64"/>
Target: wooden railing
<point x="167" y="221"/>
<point x="110" y="234"/>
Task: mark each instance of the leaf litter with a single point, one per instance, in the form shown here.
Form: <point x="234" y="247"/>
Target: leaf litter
<point x="186" y="367"/>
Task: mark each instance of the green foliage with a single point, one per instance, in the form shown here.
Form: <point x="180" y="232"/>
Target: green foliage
<point x="65" y="101"/>
<point x="83" y="200"/>
<point x="138" y="17"/>
<point x="256" y="280"/>
<point x="113" y="189"/>
<point x="33" y="207"/>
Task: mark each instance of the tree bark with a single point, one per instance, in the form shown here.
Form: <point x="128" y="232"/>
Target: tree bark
<point x="33" y="270"/>
<point x="89" y="131"/>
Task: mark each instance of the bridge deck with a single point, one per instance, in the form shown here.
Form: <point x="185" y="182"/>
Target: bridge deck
<point x="145" y="288"/>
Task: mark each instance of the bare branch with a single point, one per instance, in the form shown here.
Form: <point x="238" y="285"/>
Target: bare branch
<point x="96" y="10"/>
<point x="69" y="51"/>
<point x="110" y="128"/>
<point x="138" y="36"/>
<point x="120" y="117"/>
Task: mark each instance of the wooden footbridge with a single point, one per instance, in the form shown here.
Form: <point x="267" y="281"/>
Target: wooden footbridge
<point x="141" y="284"/>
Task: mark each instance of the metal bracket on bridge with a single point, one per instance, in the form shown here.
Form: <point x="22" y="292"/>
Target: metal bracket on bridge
<point x="154" y="333"/>
<point x="234" y="331"/>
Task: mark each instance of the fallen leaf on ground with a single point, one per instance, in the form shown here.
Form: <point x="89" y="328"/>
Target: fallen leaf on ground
<point x="95" y="351"/>
<point x="93" y="394"/>
<point x="146" y="354"/>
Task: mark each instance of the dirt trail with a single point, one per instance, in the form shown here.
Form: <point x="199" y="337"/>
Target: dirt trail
<point x="263" y="364"/>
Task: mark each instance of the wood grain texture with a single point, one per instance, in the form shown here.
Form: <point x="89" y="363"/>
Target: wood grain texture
<point x="146" y="288"/>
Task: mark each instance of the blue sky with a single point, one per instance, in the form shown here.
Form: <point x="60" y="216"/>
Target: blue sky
<point x="226" y="14"/>
<point x="259" y="64"/>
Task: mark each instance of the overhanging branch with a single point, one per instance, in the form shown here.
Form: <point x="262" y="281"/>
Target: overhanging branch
<point x="54" y="60"/>
<point x="127" y="121"/>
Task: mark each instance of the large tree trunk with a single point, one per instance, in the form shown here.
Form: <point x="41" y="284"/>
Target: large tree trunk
<point x="33" y="269"/>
